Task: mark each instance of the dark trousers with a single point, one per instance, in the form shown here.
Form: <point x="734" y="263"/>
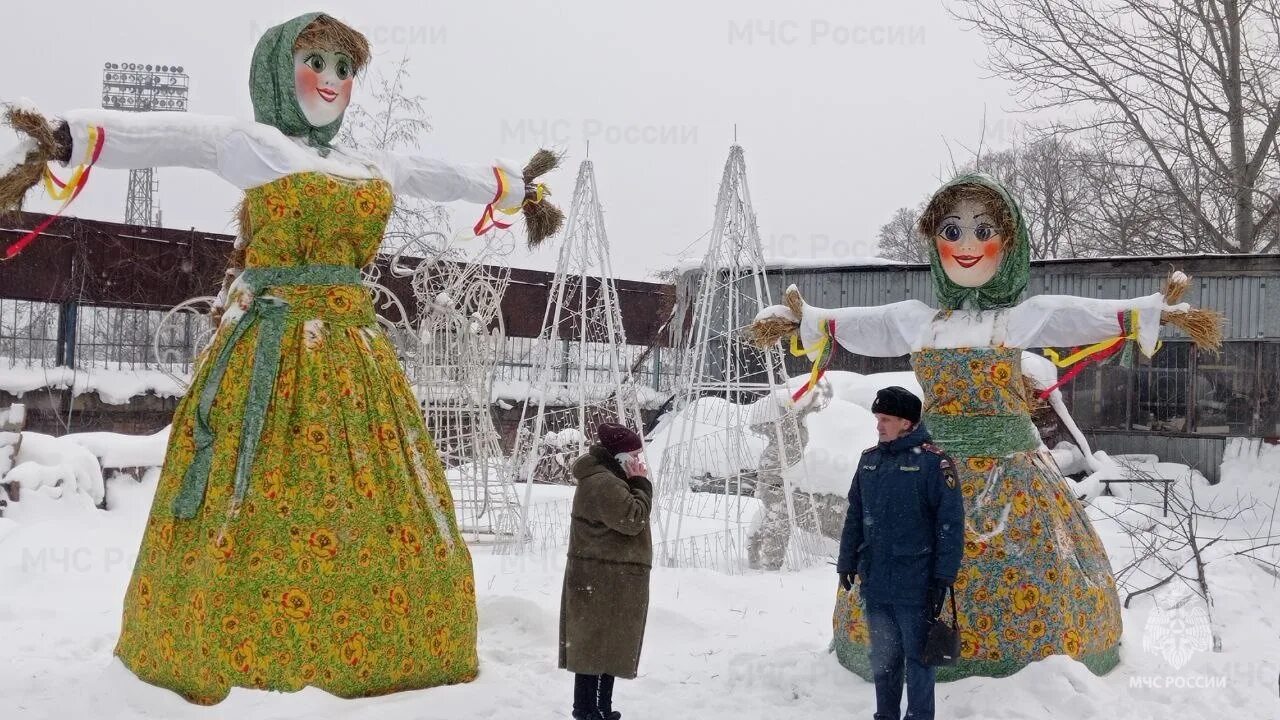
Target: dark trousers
<point x="898" y="635"/>
<point x="592" y="694"/>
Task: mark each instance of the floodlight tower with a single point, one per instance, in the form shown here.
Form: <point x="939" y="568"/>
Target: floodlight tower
<point x="136" y="87"/>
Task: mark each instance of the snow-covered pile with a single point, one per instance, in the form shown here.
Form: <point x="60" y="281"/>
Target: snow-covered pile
<point x="115" y="451"/>
<point x="840" y="428"/>
<point x="564" y="439"/>
<point x="1136" y="477"/>
<point x="1252" y="465"/>
<point x="74" y="464"/>
<point x="712" y="436"/>
<point x="55" y="466"/>
<point x="11" y="419"/>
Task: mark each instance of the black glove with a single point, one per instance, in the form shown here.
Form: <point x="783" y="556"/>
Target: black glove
<point x="937" y="596"/>
<point x="846" y="581"/>
<point x="62" y="134"/>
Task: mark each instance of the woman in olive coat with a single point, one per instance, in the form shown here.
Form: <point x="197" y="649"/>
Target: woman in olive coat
<point x="605" y="600"/>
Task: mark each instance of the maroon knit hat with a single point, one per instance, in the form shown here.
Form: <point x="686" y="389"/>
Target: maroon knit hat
<point x="618" y="439"/>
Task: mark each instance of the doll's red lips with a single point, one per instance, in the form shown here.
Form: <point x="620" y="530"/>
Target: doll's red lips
<point x="967" y="261"/>
<point x="327" y="94"/>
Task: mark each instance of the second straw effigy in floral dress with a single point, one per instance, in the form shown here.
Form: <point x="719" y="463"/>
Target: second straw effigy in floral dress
<point x="1035" y="580"/>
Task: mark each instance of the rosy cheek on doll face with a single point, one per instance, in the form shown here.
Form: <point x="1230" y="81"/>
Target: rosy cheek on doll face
<point x="971" y="263"/>
<point x="306" y="81"/>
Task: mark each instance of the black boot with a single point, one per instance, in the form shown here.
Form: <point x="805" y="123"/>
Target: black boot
<point x="604" y="699"/>
<point x="592" y="696"/>
<point x="584" y="696"/>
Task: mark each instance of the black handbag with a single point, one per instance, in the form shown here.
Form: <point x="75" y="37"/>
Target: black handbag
<point x="942" y="643"/>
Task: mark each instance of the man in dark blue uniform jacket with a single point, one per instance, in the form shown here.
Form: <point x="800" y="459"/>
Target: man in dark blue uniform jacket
<point x="903" y="538"/>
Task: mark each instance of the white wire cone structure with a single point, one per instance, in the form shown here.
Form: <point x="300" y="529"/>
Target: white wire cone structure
<point x="733" y="428"/>
<point x="581" y="369"/>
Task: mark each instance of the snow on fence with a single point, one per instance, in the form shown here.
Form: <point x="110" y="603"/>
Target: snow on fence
<point x="43" y="338"/>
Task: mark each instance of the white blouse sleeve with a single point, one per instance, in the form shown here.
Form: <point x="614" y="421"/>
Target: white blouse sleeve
<point x="1066" y="320"/>
<point x="151" y="139"/>
<point x="443" y="181"/>
<point x="246" y="154"/>
<point x="877" y="331"/>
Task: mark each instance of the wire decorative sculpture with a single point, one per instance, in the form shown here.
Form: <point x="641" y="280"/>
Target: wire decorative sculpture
<point x="188" y="320"/>
<point x="580" y="367"/>
<point x="734" y="434"/>
<point x="456" y="342"/>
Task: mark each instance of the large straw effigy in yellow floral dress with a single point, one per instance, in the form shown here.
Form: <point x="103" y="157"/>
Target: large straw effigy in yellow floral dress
<point x="302" y="533"/>
<point x="337" y="561"/>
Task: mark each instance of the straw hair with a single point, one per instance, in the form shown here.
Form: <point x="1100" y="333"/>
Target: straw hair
<point x="767" y="331"/>
<point x="235" y="263"/>
<point x="1031" y="394"/>
<point x="1175" y="287"/>
<point x="15" y="184"/>
<point x="941" y="203"/>
<point x="332" y="35"/>
<point x="1204" y="327"/>
<point x="541" y="219"/>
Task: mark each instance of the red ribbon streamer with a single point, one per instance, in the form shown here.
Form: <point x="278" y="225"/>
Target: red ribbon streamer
<point x="21" y="243"/>
<point x="487" y="220"/>
<point x="1095" y="358"/>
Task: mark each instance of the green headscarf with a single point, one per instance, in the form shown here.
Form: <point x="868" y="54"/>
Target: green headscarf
<point x="271" y="85"/>
<point x="1006" y="286"/>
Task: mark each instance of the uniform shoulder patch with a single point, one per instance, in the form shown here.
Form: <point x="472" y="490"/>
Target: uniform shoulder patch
<point x="944" y="463"/>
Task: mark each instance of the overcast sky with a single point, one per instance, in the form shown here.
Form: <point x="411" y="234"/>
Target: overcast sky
<point x="842" y="107"/>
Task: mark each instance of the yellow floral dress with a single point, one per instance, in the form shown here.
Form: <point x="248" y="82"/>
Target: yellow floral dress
<point x="1035" y="580"/>
<point x="337" y="563"/>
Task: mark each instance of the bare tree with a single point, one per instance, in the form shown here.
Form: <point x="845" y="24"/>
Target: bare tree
<point x="1047" y="177"/>
<point x="390" y="120"/>
<point x="1190" y="88"/>
<point x="898" y="239"/>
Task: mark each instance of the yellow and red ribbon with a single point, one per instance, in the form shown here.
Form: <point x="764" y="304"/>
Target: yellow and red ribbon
<point x="1093" y="354"/>
<point x="824" y="350"/>
<point x="489" y="221"/>
<point x="64" y="191"/>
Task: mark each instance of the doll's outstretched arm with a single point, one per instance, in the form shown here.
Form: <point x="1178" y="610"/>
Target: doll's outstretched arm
<point x="1066" y="321"/>
<point x="876" y="331"/>
<point x="439" y="180"/>
<point x="503" y="190"/>
<point x="130" y="140"/>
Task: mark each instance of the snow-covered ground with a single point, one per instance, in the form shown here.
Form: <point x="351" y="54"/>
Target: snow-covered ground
<point x="719" y="646"/>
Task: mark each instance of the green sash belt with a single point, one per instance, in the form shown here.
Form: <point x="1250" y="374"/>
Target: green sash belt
<point x="982" y="435"/>
<point x="269" y="314"/>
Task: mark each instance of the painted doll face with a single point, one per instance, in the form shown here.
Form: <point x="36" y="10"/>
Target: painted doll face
<point x="970" y="244"/>
<point x="323" y="82"/>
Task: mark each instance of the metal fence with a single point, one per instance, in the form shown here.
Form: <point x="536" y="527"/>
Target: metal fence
<point x="38" y="334"/>
<point x="520" y="357"/>
<point x="29" y="333"/>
